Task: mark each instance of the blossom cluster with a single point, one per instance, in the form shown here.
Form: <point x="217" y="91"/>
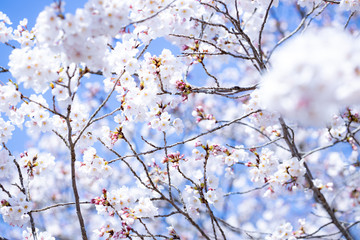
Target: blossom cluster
<point x="35" y="163"/>
<point x="15" y="209"/>
<point x="124" y="201"/>
<point x="126" y="204"/>
<point x="139" y="101"/>
<point x="174" y="158"/>
<point x="268" y="169"/>
<point x="9" y="96"/>
<point x="93" y="166"/>
<point x="27" y="66"/>
<point x="285" y="231"/>
<point x="5" y="31"/>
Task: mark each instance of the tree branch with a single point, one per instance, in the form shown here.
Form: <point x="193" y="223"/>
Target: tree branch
<point x="319" y="197"/>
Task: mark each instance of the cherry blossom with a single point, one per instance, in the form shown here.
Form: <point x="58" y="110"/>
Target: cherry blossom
<point x="187" y="119"/>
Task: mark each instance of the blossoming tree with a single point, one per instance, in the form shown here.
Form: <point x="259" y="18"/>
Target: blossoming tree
<point x="244" y="127"/>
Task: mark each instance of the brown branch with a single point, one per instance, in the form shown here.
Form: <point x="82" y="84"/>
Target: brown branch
<point x="318" y="14"/>
<point x="168" y="168"/>
<point x="10" y="45"/>
<point x="332" y="1"/>
<point x="147" y="229"/>
<point x="318" y="196"/>
<point x="5" y="191"/>
<point x="238" y="230"/>
<point x="263" y="134"/>
<point x="348" y="21"/>
<point x="105" y="115"/>
<point x="2" y="69"/>
<point x="262" y="29"/>
<point x="143" y="50"/>
<point x="310" y="235"/>
<point x="127" y="164"/>
<point x="149" y="143"/>
<point x="166" y="215"/>
<point x="73" y="175"/>
<point x="258" y="146"/>
<point x="22" y="188"/>
<point x="218" y="90"/>
<point x="43" y="106"/>
<point x="209" y="74"/>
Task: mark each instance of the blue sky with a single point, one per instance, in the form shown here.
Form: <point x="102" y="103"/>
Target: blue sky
<point x="19" y="9"/>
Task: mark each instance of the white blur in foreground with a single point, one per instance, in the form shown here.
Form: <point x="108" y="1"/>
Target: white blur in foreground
<point x="313" y="76"/>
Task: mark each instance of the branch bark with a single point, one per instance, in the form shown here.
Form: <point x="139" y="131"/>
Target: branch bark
<point x="73" y="176"/>
<point x="318" y="196"/>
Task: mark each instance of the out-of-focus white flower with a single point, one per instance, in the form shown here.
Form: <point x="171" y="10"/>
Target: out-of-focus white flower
<point x="6" y="129"/>
<point x="312" y="76"/>
<point x="350" y="5"/>
<point x="5" y="163"/>
<point x="178" y="125"/>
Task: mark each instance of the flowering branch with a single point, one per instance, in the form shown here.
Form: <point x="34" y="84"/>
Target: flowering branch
<point x="319" y="197"/>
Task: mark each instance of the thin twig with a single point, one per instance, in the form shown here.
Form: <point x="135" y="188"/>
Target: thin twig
<point x="348" y="21"/>
<point x="2" y="69"/>
<point x="57" y="205"/>
<point x="5" y="191"/>
<point x="262" y="29"/>
<point x="209" y="74"/>
<point x="248" y="191"/>
<point x="189" y="139"/>
<point x="290" y="35"/>
<point x="152" y="16"/>
<point x="90" y="121"/>
<point x="258" y="146"/>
